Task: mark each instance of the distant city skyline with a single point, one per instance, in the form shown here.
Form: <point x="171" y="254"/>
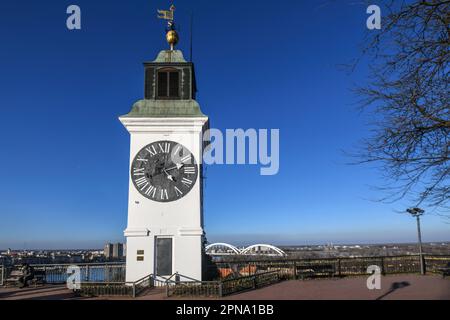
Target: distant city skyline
<point x="102" y="249"/>
<point x="52" y="246"/>
<point x="65" y="164"/>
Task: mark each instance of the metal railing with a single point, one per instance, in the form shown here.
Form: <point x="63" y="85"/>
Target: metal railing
<point x="98" y="289"/>
<point x="2" y="275"/>
<point x="187" y="286"/>
<point x="326" y="267"/>
<point x="194" y="288"/>
<point x="121" y="288"/>
<point x="434" y="264"/>
<point x="89" y="272"/>
<point x="108" y="279"/>
<point x="244" y="283"/>
<point x="255" y="274"/>
<point x="109" y="272"/>
<point x="173" y="286"/>
<point x="141" y="285"/>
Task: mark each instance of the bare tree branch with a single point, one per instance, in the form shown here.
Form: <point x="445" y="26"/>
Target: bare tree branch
<point x="408" y="96"/>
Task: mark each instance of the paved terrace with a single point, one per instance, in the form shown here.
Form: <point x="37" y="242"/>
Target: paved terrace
<point x="393" y="287"/>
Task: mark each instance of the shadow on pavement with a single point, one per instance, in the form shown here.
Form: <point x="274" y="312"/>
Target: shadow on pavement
<point x="394" y="286"/>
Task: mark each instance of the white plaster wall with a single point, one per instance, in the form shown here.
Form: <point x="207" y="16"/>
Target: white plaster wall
<point x="182" y="212"/>
<point x="180" y="219"/>
<point x="136" y="270"/>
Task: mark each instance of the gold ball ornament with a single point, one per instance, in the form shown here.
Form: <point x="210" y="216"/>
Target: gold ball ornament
<point x="172" y="37"/>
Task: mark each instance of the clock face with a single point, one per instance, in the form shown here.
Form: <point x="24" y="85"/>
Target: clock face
<point x="164" y="171"/>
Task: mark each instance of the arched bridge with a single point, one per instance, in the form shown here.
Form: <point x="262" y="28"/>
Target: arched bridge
<point x="220" y="245"/>
<point x="221" y="248"/>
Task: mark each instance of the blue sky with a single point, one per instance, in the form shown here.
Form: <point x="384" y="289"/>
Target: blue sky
<point x="259" y="64"/>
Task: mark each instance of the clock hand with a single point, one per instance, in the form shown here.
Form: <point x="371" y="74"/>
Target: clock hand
<point x="170" y="177"/>
<point x="178" y="166"/>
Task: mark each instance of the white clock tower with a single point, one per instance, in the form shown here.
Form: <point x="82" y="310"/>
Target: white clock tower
<point x="165" y="206"/>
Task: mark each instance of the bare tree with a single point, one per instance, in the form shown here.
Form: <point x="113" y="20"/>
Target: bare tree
<point x="408" y="96"/>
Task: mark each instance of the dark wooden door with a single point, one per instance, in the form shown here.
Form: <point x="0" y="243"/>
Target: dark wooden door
<point x="164" y="256"/>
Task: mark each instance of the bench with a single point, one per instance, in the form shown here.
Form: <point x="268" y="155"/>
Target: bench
<point x="39" y="277"/>
<point x="445" y="270"/>
<point x="315" y="270"/>
<point x="13" y="278"/>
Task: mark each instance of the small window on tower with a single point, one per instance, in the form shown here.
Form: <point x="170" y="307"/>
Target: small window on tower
<point x="162" y="84"/>
<point x="168" y="84"/>
<point x="173" y="84"/>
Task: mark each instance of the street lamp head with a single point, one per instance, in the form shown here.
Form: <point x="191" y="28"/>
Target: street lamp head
<point x="415" y="211"/>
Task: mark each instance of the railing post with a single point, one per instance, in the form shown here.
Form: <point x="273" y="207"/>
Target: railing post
<point x="3" y="273"/>
<point x="220" y="289"/>
<point x="339" y="267"/>
<point x="107" y="271"/>
<point x="383" y="271"/>
<point x="423" y="264"/>
<point x="167" y="289"/>
<point x="134" y="290"/>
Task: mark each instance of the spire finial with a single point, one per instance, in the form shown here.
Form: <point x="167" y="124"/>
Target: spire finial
<point x="171" y="32"/>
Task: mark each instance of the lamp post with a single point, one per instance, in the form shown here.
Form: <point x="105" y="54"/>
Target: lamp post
<point x="417" y="212"/>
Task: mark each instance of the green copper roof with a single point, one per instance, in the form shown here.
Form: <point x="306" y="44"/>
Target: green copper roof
<point x="165" y="108"/>
<point x="165" y="56"/>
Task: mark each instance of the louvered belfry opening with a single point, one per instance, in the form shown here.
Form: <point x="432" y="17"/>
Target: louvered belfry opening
<point x="169" y="77"/>
<point x="168" y="84"/>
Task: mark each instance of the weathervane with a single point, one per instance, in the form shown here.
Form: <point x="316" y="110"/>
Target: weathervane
<point x="171" y="35"/>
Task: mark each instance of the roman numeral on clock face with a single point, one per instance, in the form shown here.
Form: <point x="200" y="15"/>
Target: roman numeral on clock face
<point x="164" y="195"/>
<point x="151" y="191"/>
<point x="164" y="147"/>
<point x="189" y="170"/>
<point x="178" y="192"/>
<point x="139" y="171"/>
<point x="186" y="182"/>
<point x="141" y="182"/>
<point x="177" y="149"/>
<point x="151" y="150"/>
<point x="186" y="159"/>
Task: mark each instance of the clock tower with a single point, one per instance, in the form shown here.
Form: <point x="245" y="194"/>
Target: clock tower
<point x="165" y="205"/>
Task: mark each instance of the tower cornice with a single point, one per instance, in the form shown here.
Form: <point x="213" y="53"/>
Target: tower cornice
<point x="164" y="125"/>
